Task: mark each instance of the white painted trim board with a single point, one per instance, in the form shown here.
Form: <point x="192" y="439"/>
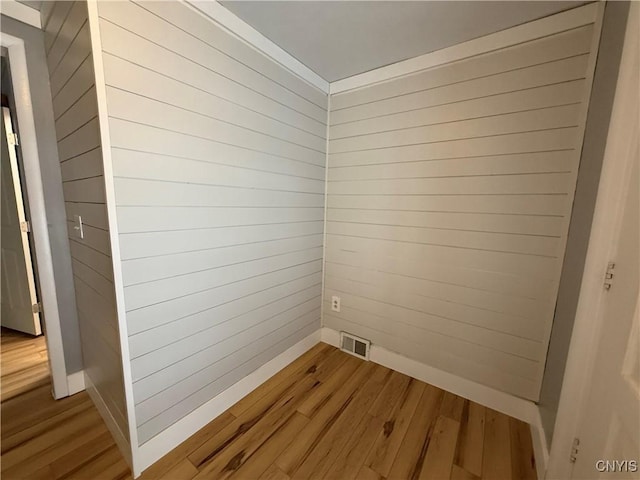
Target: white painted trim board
<point x="540" y="446"/>
<point x="225" y="18"/>
<point x="326" y="206"/>
<point x="37" y="211"/>
<point x="21" y="12"/>
<point x="112" y="425"/>
<point x="505" y="38"/>
<point x="110" y="199"/>
<point x="607" y="217"/>
<point x="598" y="13"/>
<point x="75" y="382"/>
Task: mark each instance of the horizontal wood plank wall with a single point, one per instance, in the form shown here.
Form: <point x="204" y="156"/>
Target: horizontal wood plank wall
<point x="69" y="59"/>
<point x="449" y="195"/>
<point x="219" y="164"/>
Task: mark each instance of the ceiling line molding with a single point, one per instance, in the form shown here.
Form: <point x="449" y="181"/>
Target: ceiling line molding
<point x="225" y="18"/>
<point x="567" y="20"/>
<point x="21" y="12"/>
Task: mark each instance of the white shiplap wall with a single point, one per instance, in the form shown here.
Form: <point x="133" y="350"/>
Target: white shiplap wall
<point x="219" y="166"/>
<point x="69" y="58"/>
<point x="449" y="196"/>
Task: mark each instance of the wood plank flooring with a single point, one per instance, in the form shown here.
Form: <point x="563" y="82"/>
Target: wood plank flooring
<point x="331" y="415"/>
<point x="42" y="438"/>
<point x="327" y="415"/>
<point x="25" y="364"/>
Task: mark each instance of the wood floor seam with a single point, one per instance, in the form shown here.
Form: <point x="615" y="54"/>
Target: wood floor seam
<point x="326" y="415"/>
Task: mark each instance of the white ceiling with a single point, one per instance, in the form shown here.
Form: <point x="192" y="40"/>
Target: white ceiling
<point x="338" y="39"/>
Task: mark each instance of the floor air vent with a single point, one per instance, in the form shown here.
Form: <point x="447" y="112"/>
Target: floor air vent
<point x="355" y="345"/>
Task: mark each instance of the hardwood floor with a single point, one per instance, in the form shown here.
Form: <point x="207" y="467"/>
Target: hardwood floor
<point x="331" y="415"/>
<point x="46" y="439"/>
<point x="24" y="363"/>
<point x="327" y="415"/>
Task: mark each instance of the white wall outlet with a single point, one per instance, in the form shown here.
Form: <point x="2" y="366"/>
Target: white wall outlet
<point x="335" y="303"/>
<point x="77" y="226"/>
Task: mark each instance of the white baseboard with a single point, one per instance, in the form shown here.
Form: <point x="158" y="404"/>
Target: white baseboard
<point x="168" y="439"/>
<point x="75" y="382"/>
<point x="516" y="407"/>
<point x="524" y="410"/>
<point x="330" y="336"/>
<point x="489" y="397"/>
<point x="118" y="436"/>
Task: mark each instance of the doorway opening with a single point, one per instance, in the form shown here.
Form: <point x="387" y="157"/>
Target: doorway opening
<point x="24" y="354"/>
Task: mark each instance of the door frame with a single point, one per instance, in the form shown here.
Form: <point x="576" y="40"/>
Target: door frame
<point x="618" y="160"/>
<point x="34" y="188"/>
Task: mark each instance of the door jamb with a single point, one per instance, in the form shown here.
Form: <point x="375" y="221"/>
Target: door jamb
<point x="618" y="160"/>
<point x="38" y="216"/>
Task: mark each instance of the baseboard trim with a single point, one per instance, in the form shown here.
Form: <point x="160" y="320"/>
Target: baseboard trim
<point x="118" y="436"/>
<point x="516" y="407"/>
<point x="167" y="440"/>
<point x="75" y="382"/>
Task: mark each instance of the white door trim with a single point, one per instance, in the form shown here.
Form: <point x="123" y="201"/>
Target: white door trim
<point x="22" y="13"/>
<point x="606" y="221"/>
<point x="38" y="216"/>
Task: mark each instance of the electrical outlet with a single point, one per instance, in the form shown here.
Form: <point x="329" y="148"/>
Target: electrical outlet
<point x="335" y="303"/>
